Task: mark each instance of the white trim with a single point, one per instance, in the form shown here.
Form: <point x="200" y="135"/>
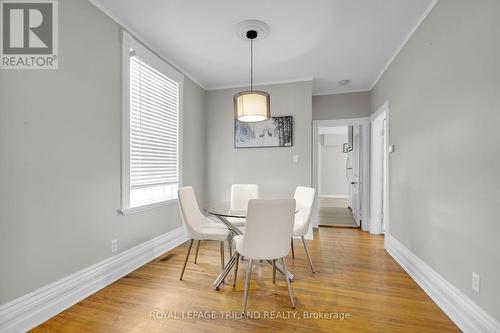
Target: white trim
<point x="466" y="314"/>
<point x="381" y="109"/>
<point x="315" y="175"/>
<point x="257" y="84"/>
<point x="325" y="93"/>
<point x="142" y="208"/>
<point x="376" y="222"/>
<point x="387" y="177"/>
<point x="341" y="122"/>
<point x="30" y="310"/>
<point x="128" y="42"/>
<point x="334" y="196"/>
<point x="143" y="41"/>
<point x="405" y="41"/>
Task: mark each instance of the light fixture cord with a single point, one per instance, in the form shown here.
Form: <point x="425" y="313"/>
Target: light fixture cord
<point x="251" y="65"/>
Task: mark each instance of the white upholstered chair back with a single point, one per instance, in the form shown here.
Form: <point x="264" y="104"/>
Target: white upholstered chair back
<point x="268" y="228"/>
<point x="241" y="194"/>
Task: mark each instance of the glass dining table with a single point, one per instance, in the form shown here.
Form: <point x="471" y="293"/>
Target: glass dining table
<point x="224" y="213"/>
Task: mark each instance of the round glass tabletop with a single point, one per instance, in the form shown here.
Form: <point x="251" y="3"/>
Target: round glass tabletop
<point x="224" y="209"/>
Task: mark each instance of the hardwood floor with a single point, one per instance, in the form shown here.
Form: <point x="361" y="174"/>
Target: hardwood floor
<point x="333" y="212"/>
<point x="354" y="275"/>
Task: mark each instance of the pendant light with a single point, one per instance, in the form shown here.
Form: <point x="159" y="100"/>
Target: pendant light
<point x="251" y="105"/>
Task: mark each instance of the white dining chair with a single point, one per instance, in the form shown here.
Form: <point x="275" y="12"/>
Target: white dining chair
<point x="267" y="237"/>
<point x="199" y="227"/>
<point x="304" y="197"/>
<point x="240" y="195"/>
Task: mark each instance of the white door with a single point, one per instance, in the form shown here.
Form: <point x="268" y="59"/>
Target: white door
<point x="355" y="159"/>
<point x="377" y="173"/>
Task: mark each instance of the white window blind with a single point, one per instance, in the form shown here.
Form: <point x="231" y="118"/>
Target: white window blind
<point x="154" y="104"/>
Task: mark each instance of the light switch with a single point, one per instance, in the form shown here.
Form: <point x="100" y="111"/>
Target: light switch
<point x="295" y="158"/>
<point x="391" y="148"/>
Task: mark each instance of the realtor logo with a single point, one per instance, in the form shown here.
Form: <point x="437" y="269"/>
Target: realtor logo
<point x="29" y="38"/>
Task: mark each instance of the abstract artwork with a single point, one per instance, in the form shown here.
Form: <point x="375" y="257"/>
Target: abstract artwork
<point x="273" y="132"/>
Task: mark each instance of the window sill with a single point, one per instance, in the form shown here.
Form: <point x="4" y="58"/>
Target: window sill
<point x="138" y="209"/>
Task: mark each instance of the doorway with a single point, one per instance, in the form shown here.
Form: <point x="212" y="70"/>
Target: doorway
<point x="340" y="172"/>
<point x="336" y="154"/>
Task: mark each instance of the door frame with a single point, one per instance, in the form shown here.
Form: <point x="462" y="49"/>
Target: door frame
<point x="384" y="109"/>
<point x="365" y="161"/>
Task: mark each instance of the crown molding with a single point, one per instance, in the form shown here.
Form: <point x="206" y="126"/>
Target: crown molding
<point x="342" y="92"/>
<point x="262" y="83"/>
<point x="405" y="41"/>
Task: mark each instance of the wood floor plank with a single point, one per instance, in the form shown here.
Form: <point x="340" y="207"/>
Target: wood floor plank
<point x="354" y="275"/>
<point x="334" y="212"/>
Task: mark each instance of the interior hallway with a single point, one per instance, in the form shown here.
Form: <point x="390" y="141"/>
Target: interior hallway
<point x="334" y="212"/>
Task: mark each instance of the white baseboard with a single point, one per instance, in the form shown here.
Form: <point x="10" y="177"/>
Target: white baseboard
<point x="30" y="310"/>
<point x="466" y="314"/>
<point x="334" y="196"/>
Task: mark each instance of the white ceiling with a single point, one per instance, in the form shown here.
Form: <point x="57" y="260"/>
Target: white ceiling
<point x="322" y="40"/>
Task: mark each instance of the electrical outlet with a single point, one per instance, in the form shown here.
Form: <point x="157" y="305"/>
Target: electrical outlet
<point x="476" y="282"/>
<point x="114" y="245"/>
<point x="295" y="159"/>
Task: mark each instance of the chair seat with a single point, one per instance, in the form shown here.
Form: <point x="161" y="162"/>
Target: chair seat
<point x="238" y="242"/>
<point x="214" y="223"/>
<point x="236" y="221"/>
<point x="212" y="231"/>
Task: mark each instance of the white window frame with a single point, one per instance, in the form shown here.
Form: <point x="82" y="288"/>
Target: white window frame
<point x="153" y="60"/>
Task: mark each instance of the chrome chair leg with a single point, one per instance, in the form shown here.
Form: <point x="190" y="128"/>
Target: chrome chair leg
<point x="247" y="286"/>
<point x="230" y="241"/>
<point x="222" y="255"/>
<point x="274" y="270"/>
<point x="283" y="262"/>
<point x="293" y="252"/>
<point x="187" y="257"/>
<point x="197" y="250"/>
<point x="307" y="254"/>
<point x="236" y="268"/>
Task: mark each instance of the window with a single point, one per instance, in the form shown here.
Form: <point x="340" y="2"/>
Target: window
<point x="152" y="99"/>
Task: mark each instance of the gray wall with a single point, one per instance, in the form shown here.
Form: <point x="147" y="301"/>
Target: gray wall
<point x="444" y="101"/>
<point x="271" y="168"/>
<point x="60" y="158"/>
<point x="341" y="106"/>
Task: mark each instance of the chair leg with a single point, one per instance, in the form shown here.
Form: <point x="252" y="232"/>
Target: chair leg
<point x="307" y="254"/>
<point x="285" y="270"/>
<point x="222" y="255"/>
<point x="236" y="268"/>
<point x="274" y="270"/>
<point x="293" y="252"/>
<point x="247" y="286"/>
<point x="230" y="241"/>
<point x="187" y="257"/>
<point x="197" y="250"/>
